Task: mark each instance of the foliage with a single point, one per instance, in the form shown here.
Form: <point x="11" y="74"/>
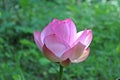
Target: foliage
<point x="20" y="58"/>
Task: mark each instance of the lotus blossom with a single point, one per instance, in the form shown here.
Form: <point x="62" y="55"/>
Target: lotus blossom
<point x="60" y="42"/>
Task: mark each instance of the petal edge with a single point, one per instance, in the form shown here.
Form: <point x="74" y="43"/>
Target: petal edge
<point x="37" y="39"/>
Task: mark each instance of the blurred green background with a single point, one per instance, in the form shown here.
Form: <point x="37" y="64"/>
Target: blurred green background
<point x="20" y="59"/>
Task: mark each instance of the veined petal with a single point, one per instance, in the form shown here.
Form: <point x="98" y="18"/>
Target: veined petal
<point x="74" y="52"/>
<point x="72" y="28"/>
<point x="83" y="56"/>
<point x="50" y="55"/>
<point x="37" y="39"/>
<point x="65" y="29"/>
<point x="56" y="45"/>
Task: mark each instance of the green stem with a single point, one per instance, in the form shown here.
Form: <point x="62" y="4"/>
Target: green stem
<point x="61" y="73"/>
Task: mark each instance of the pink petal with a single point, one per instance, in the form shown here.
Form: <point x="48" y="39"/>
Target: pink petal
<point x="83" y="56"/>
<point x="66" y="62"/>
<point x="38" y="39"/>
<point x="65" y="29"/>
<point x="56" y="45"/>
<point x="50" y="55"/>
<point x="85" y="37"/>
<point x="88" y="38"/>
<point x="48" y="29"/>
<point x="82" y="36"/>
<point x="78" y="34"/>
<point x="74" y="52"/>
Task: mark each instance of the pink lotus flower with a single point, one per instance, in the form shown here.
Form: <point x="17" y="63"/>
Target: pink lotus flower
<point x="60" y="42"/>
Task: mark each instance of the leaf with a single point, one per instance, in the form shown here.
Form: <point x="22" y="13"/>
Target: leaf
<point x="44" y="61"/>
<point x="27" y="42"/>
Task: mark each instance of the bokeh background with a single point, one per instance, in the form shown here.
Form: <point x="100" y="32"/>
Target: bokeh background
<point x="20" y="59"/>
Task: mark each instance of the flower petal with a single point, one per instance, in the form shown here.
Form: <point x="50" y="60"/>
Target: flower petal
<point x="65" y="29"/>
<point x="82" y="36"/>
<point x="48" y="29"/>
<point x="85" y="37"/>
<point x="74" y="52"/>
<point x="56" y="45"/>
<point x="88" y="38"/>
<point x="50" y="55"/>
<point x="83" y="56"/>
<point x="37" y="39"/>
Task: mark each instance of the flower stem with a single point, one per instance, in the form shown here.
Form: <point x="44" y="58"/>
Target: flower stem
<point x="61" y="72"/>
